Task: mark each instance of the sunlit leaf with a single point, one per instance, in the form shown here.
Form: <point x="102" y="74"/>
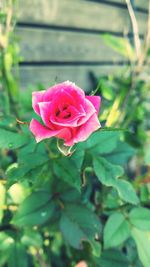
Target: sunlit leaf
<point x="116" y="230"/>
<point x="140" y="218"/>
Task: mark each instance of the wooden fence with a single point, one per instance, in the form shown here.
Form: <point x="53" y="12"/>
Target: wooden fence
<point x="62" y="39"/>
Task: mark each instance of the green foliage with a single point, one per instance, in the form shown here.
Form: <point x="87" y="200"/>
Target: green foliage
<point x="113" y="257"/>
<point x="71" y="175"/>
<point x="101" y="142"/>
<point x="142" y="241"/>
<point x="123" y="152"/>
<point x="2" y="200"/>
<point x="17" y="256"/>
<point x="120" y="45"/>
<point x="11" y="140"/>
<point x="79" y="224"/>
<point x="116" y="230"/>
<point x="140" y="218"/>
<point x="147" y="156"/>
<point x="36" y="209"/>
<point x="106" y="172"/>
<point x="126" y="192"/>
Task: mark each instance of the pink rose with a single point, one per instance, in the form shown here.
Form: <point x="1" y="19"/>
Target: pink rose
<point x="66" y="113"/>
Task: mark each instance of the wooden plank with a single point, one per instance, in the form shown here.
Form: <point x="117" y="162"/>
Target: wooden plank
<point x="141" y="3"/>
<point x="137" y="3"/>
<point x="77" y="14"/>
<point x="32" y="76"/>
<point x="50" y="45"/>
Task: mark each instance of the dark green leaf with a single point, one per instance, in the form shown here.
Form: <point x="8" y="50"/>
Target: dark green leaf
<point x="28" y="163"/>
<point x="121" y="154"/>
<point x="78" y="157"/>
<point x="17" y="256"/>
<point x="11" y="140"/>
<point x="72" y="232"/>
<point x="106" y="172"/>
<point x="78" y="224"/>
<point x="113" y="258"/>
<point x="66" y="169"/>
<point x="101" y="142"/>
<point x="36" y="209"/>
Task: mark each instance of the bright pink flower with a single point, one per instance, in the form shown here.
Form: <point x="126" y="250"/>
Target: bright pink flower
<point x="66" y="113"/>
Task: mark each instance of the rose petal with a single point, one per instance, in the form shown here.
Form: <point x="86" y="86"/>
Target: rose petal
<point x="96" y="101"/>
<point x="41" y="132"/>
<point x="36" y="98"/>
<point x="84" y="131"/>
<point x="67" y="122"/>
<point x="89" y="110"/>
<point x="45" y="112"/>
<point x="67" y="86"/>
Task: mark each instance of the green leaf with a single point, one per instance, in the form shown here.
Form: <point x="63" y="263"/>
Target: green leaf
<point x="116" y="230"/>
<point x="78" y="157"/>
<point x="144" y="193"/>
<point x="17" y="193"/>
<point x="147" y="156"/>
<point x="79" y="224"/>
<point x="2" y="200"/>
<point x="32" y="238"/>
<point x="70" y="195"/>
<point x="17" y="256"/>
<point x="36" y="209"/>
<point x="113" y="258"/>
<point x="120" y="45"/>
<point x="28" y="163"/>
<point x="106" y="89"/>
<point x="126" y="191"/>
<point x="122" y="153"/>
<point x="101" y="142"/>
<point x="106" y="172"/>
<point x="142" y="240"/>
<point x="140" y="217"/>
<point x="72" y="232"/>
<point x="11" y="140"/>
<point x="66" y="169"/>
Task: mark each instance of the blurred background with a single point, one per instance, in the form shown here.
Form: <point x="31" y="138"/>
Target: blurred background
<point x="64" y="39"/>
<point x="104" y="47"/>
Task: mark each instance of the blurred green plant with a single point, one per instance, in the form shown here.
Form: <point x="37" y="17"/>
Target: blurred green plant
<point x="93" y="205"/>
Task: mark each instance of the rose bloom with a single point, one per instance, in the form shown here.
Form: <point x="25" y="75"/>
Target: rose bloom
<point x="66" y="113"/>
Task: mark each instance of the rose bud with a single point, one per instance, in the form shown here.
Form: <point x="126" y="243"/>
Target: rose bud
<point x="81" y="264"/>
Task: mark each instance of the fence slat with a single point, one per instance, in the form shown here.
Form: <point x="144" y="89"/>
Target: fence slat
<point x="137" y="3"/>
<point x="78" y="14"/>
<point x="49" y="45"/>
<point x="51" y="74"/>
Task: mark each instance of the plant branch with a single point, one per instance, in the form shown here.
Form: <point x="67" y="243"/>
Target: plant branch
<point x="146" y="46"/>
<point x="137" y="42"/>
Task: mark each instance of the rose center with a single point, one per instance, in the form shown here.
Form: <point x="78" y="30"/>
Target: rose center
<point x="63" y="113"/>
